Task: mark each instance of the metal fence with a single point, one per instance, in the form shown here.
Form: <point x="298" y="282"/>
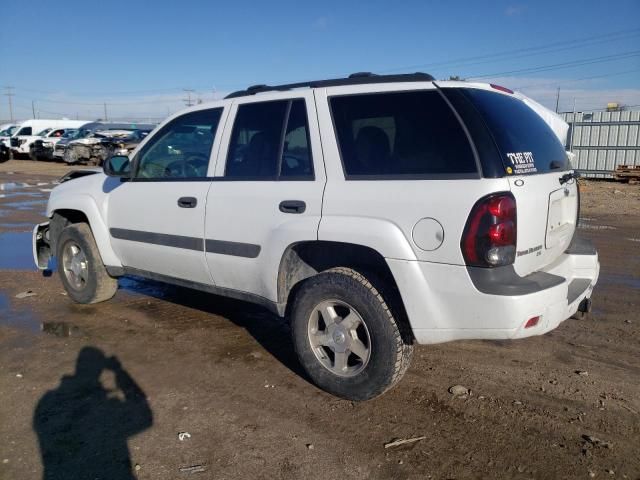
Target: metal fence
<point x="603" y="140"/>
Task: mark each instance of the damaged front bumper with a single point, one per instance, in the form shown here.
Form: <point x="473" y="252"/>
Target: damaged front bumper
<point x="41" y="247"/>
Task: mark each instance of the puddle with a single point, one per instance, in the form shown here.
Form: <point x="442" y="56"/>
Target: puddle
<point x="23" y="194"/>
<point x="27" y="226"/>
<point x="27" y="204"/>
<point x="618" y="279"/>
<point x="145" y="287"/>
<point x="27" y="320"/>
<point x="10" y="186"/>
<point x="16" y="251"/>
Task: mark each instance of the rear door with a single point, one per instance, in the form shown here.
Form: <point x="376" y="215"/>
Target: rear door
<point x="536" y="166"/>
<point x="267" y="194"/>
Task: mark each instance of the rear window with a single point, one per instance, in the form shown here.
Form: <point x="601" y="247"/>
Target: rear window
<point x="400" y="135"/>
<point x="526" y="143"/>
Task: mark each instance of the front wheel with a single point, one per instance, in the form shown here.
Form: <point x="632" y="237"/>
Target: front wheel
<point x="346" y="337"/>
<point x="80" y="267"/>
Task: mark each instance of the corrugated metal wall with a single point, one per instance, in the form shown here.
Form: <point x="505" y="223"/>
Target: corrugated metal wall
<point x="604" y="140"/>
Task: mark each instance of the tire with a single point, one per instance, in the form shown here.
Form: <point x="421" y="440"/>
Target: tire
<point x="80" y="266"/>
<point x="341" y="293"/>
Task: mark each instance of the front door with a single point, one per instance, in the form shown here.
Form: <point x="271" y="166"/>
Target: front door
<point x="156" y="219"/>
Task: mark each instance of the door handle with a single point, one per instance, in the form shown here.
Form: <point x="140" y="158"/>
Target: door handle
<point x="187" y="202"/>
<point x="292" y="206"/>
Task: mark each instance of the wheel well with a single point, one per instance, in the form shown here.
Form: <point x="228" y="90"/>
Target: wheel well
<point x="303" y="260"/>
<point x="60" y="219"/>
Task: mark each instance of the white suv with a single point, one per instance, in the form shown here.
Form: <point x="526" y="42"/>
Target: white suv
<point x="375" y="212"/>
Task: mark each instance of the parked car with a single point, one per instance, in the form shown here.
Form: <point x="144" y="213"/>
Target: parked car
<point x="48" y="136"/>
<point x="6" y="131"/>
<point x="23" y="135"/>
<point x="101" y="144"/>
<point x="374" y="212"/>
<point x="5" y="154"/>
<point x="89" y="130"/>
<point x="42" y="147"/>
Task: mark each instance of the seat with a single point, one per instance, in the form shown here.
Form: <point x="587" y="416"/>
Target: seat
<point x="372" y="151"/>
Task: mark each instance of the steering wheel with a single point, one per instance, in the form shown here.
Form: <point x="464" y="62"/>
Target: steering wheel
<point x="195" y="165"/>
<point x="153" y="170"/>
<point x="190" y="166"/>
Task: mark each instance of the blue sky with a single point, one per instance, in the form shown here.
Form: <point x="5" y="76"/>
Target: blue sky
<point x="137" y="56"/>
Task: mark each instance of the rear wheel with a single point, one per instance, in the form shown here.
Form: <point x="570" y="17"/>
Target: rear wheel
<point x="80" y="267"/>
<point x="346" y="337"/>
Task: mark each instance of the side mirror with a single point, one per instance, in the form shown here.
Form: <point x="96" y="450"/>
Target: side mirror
<point x="117" y="166"/>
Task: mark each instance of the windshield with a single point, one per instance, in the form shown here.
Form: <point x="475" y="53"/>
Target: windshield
<point x="526" y="143"/>
<point x="71" y="133"/>
<point x="43" y="132"/>
<point x="7" y="132"/>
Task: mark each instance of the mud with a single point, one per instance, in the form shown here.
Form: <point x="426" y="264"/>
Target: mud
<point x="158" y="360"/>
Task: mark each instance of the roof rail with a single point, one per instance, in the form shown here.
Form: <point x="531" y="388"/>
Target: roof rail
<point x="359" y="78"/>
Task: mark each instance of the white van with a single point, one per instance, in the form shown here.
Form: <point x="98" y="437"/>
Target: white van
<point x="31" y="128"/>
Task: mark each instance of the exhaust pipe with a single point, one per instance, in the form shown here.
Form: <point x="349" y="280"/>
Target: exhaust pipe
<point x="585" y="306"/>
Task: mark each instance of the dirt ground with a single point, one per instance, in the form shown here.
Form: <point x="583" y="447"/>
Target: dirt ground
<point x="168" y="383"/>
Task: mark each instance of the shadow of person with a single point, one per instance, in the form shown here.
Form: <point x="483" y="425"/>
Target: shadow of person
<point x="83" y="427"/>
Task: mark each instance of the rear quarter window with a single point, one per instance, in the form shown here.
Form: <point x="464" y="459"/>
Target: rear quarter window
<point x="526" y="143"/>
<point x="401" y="135"/>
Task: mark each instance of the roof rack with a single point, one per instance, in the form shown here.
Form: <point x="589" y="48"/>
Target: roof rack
<point x="359" y="78"/>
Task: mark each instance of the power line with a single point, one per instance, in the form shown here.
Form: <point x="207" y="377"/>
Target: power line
<point x="557" y="66"/>
<point x="562" y="82"/>
<point x="528" y="51"/>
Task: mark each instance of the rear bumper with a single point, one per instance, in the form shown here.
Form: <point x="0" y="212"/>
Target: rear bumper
<point x="444" y="302"/>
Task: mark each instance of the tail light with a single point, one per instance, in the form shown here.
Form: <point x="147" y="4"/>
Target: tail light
<point x="489" y="238"/>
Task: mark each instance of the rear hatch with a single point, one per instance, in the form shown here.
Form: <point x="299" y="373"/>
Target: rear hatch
<point x="535" y="162"/>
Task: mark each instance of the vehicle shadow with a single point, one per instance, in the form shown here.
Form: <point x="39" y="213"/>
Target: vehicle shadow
<point x="269" y="330"/>
<point x="83" y="427"/>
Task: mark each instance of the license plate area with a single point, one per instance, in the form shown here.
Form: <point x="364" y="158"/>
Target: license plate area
<point x="561" y="220"/>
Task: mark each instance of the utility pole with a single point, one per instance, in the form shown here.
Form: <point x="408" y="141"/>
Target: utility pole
<point x="572" y="125"/>
<point x="188" y="101"/>
<point x="33" y="108"/>
<point x="105" y="111"/>
<point x="557" y="99"/>
<point x="10" y="94"/>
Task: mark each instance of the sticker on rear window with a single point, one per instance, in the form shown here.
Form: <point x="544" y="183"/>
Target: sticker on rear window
<point x="522" y="163"/>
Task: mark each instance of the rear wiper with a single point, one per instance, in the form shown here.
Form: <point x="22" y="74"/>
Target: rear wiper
<point x="555" y="165"/>
<point x="568" y="176"/>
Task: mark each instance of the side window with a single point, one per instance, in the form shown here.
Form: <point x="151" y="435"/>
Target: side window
<point x="400" y="134"/>
<point x="296" y="150"/>
<point x="181" y="149"/>
<point x="270" y="141"/>
<point x="25" y="131"/>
